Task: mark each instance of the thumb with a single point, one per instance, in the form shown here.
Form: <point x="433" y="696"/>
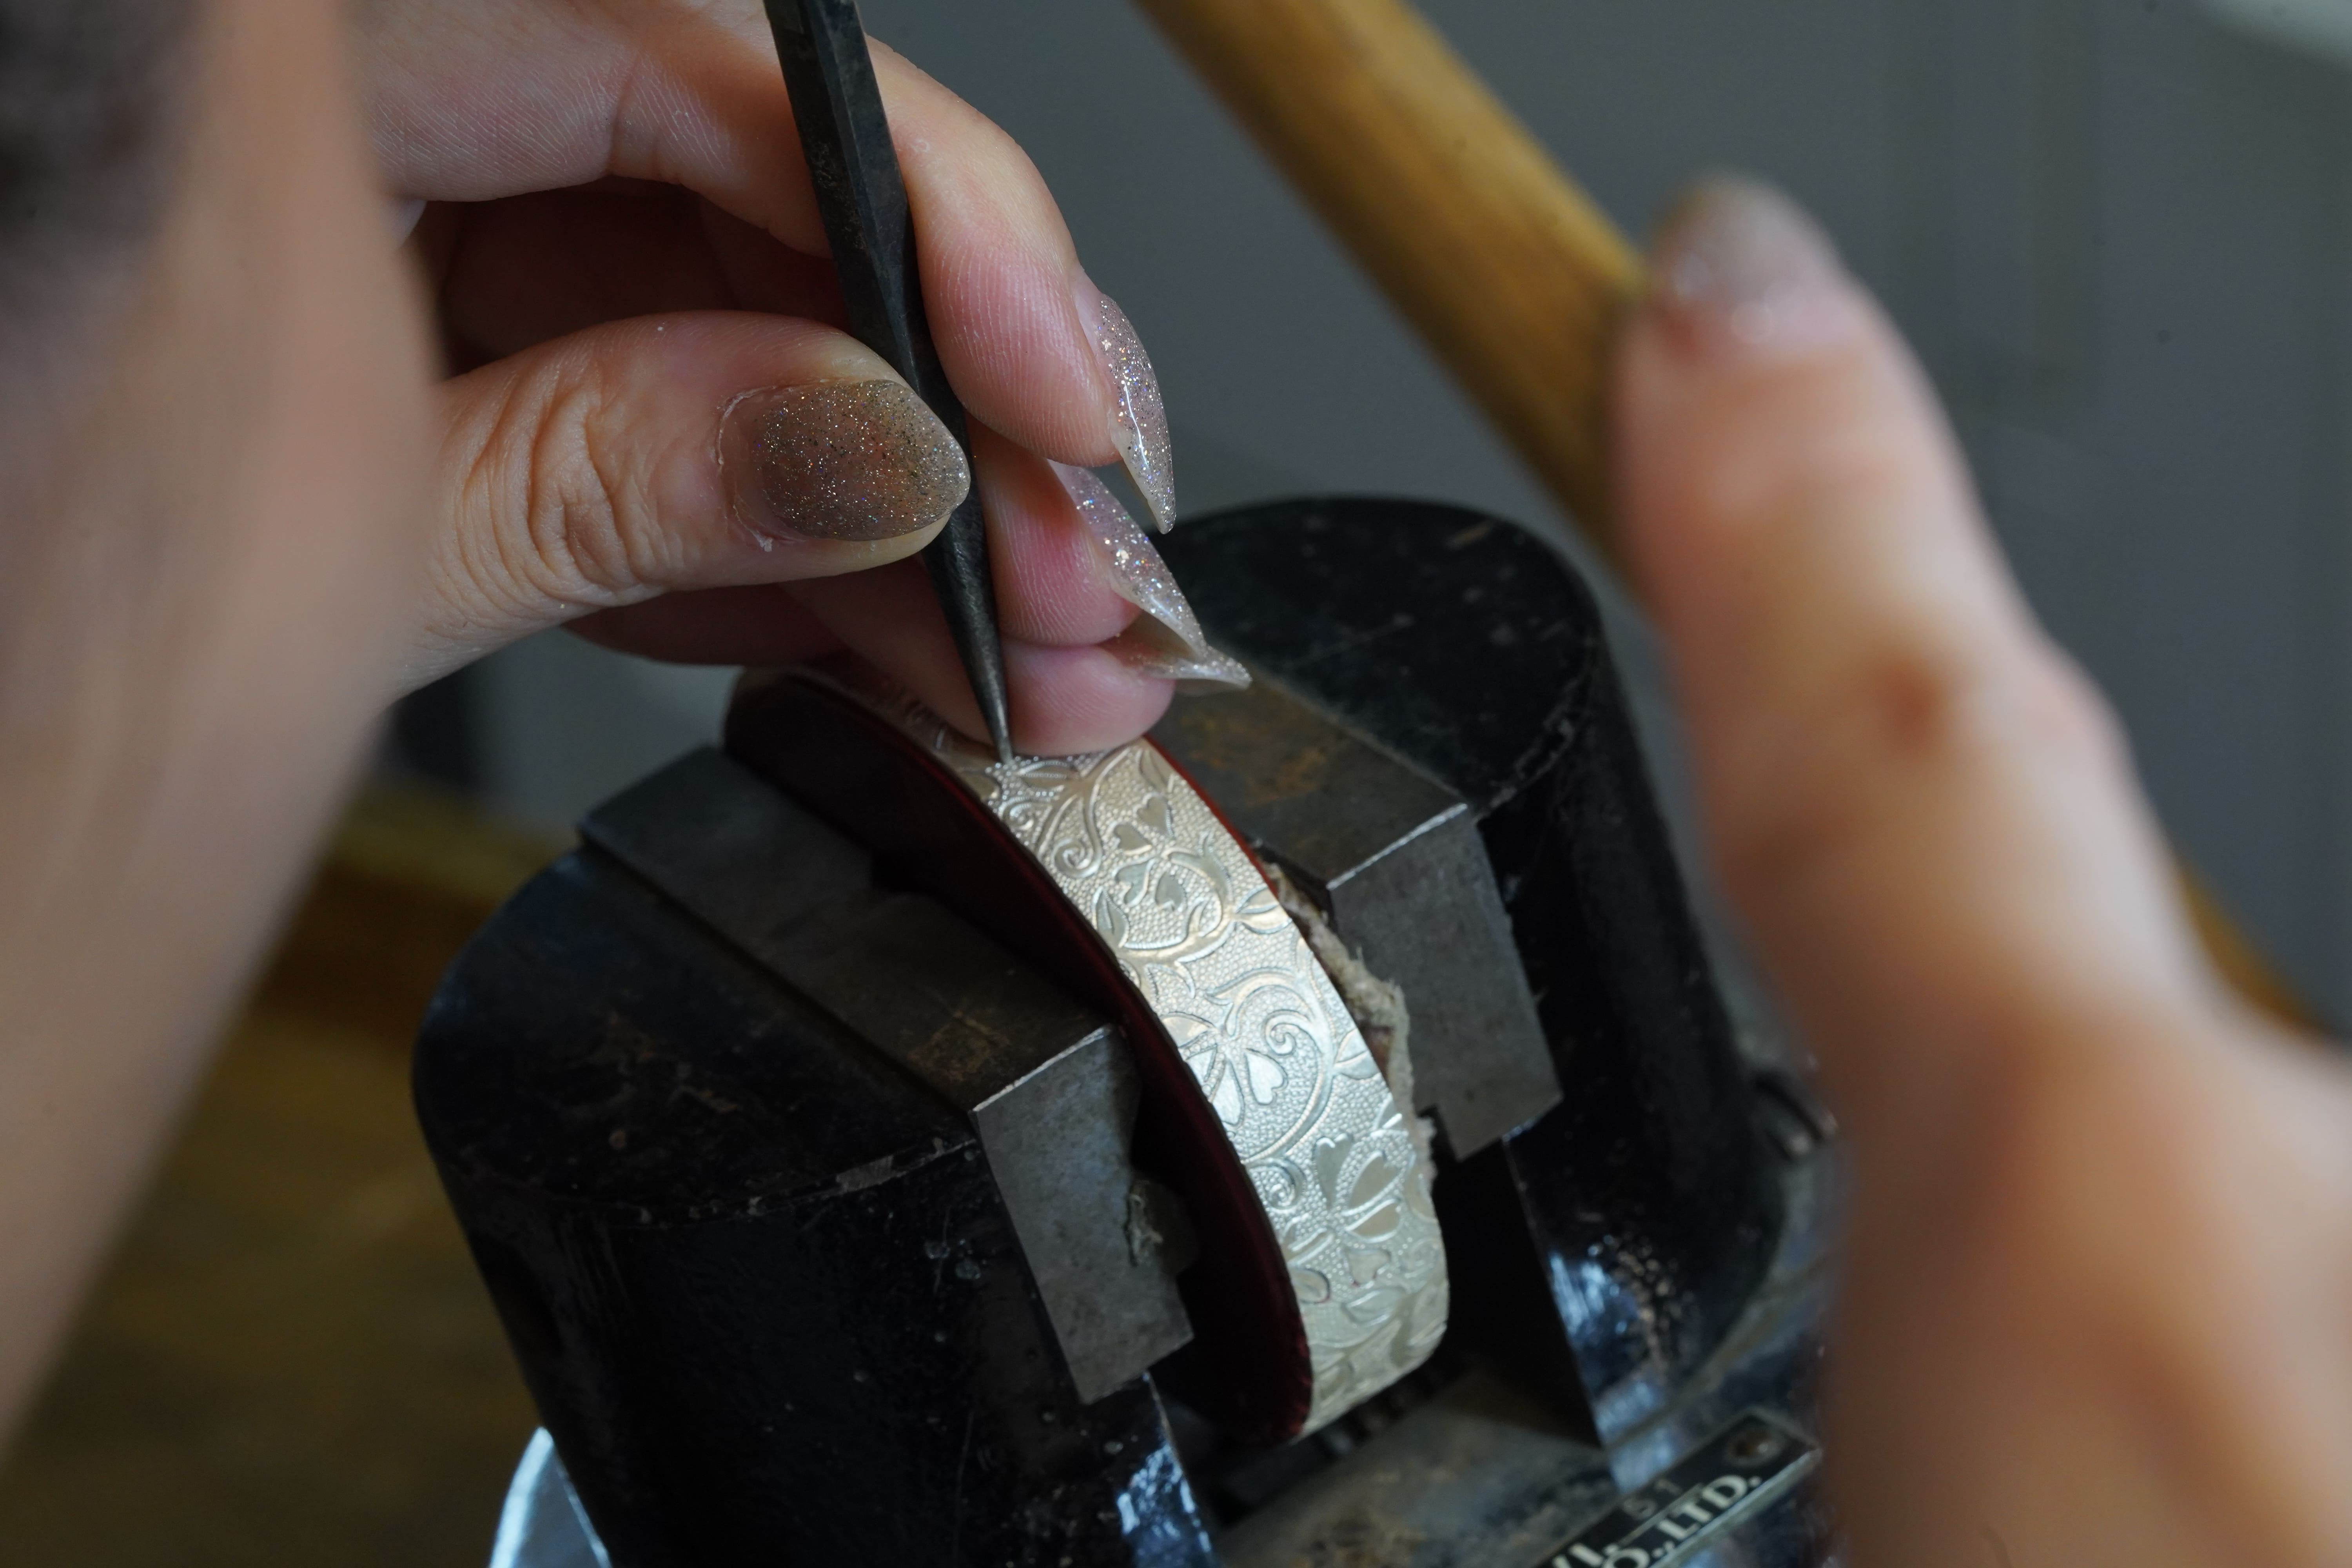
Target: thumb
<point x="649" y="456"/>
<point x="1922" y="810"/>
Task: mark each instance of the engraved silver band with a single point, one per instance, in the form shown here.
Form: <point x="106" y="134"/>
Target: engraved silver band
<point x="1191" y="920"/>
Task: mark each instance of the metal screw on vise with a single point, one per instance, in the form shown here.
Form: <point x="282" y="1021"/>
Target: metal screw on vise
<point x="1755" y="1444"/>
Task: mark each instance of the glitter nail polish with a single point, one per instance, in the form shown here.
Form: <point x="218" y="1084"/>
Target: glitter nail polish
<point x="838" y="459"/>
<point x="1139" y="420"/>
<point x="1166" y="640"/>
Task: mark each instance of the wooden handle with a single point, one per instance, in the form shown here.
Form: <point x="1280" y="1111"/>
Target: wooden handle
<point x="1506" y="268"/>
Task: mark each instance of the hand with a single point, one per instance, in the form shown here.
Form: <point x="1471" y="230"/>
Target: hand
<point x="215" y="441"/>
<point x="629" y="272"/>
<point x="2097" y="1302"/>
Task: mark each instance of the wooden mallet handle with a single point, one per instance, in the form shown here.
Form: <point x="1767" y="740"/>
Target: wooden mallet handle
<point x="1507" y="269"/>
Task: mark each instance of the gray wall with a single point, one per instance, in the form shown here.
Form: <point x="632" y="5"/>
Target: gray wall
<point x="2116" y="229"/>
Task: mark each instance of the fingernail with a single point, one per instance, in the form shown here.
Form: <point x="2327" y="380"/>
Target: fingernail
<point x="402" y="213"/>
<point x="1139" y="419"/>
<point x="1166" y="640"/>
<point x="1742" y="270"/>
<point x="838" y="459"/>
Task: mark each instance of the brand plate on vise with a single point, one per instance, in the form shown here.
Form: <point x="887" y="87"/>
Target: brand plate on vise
<point x="1723" y="1481"/>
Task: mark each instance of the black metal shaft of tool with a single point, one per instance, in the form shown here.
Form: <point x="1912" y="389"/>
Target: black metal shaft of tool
<point x="862" y="198"/>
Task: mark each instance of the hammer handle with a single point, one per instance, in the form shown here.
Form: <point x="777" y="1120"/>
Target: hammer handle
<point x="1507" y="269"/>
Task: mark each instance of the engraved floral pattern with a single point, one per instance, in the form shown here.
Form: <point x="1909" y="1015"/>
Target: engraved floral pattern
<point x="1198" y="932"/>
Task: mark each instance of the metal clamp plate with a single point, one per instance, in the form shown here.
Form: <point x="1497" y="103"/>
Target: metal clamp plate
<point x="1723" y="1479"/>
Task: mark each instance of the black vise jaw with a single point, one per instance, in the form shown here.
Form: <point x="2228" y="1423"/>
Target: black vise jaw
<point x="755" y="1158"/>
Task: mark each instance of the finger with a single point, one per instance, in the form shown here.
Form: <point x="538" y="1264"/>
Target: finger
<point x="475" y="101"/>
<point x="516" y="273"/>
<point x="1065" y="699"/>
<point x="1922" y="811"/>
<point x="717" y="625"/>
<point x="653" y="456"/>
<point x="521" y="272"/>
<point x="1053" y="586"/>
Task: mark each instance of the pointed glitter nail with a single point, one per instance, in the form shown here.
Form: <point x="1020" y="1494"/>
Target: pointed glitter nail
<point x="1166" y="640"/>
<point x="1140" y="420"/>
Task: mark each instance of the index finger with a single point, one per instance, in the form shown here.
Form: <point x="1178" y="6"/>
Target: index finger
<point x="477" y="102"/>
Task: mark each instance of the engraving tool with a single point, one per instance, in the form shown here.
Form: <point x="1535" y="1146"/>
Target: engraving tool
<point x="862" y="197"/>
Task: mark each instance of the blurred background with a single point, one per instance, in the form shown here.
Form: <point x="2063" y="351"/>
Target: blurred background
<point x="2119" y="231"/>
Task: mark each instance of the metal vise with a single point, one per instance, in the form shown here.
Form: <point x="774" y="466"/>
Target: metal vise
<point x="818" y="1220"/>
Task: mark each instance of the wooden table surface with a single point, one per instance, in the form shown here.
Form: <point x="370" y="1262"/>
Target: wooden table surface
<point x="290" y="1360"/>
